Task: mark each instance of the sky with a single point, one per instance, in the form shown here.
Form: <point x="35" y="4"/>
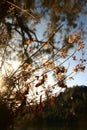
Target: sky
<point x="79" y="78"/>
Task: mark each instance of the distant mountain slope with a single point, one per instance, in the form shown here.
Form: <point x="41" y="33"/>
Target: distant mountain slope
<point x="68" y="107"/>
<point x="71" y="105"/>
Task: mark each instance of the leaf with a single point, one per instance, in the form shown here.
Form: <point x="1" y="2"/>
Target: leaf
<point x="76" y="68"/>
<point x="62" y="84"/>
<point x="79" y="68"/>
<point x="37" y="77"/>
<point x="74" y="57"/>
<point x="80" y="46"/>
<point x="28" y="67"/>
<point x="25" y="46"/>
<point x="31" y="51"/>
<point x="37" y="93"/>
<point x="59" y="75"/>
<point x="71" y="78"/>
<point x="26" y="89"/>
<point x="70" y="40"/>
<point x="46" y="44"/>
<point x="36" y="108"/>
<point x="63" y="53"/>
<point x="41" y="81"/>
<point x="41" y="91"/>
<point x="52" y="100"/>
<point x="41" y="104"/>
<point x="45" y="76"/>
<point x="38" y="84"/>
<point x="28" y="41"/>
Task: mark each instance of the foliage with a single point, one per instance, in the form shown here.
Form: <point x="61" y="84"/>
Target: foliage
<point x="20" y="22"/>
<point x="69" y="107"/>
<point x="6" y="116"/>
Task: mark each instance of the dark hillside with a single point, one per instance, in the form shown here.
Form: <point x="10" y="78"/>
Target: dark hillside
<point x="68" y="107"/>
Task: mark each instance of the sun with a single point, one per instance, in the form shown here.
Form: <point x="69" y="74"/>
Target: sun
<point x="9" y="66"/>
<point x="6" y="69"/>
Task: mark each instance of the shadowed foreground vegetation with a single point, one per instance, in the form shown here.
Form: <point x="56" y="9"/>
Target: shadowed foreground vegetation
<point x="6" y="116"/>
<point x="42" y="40"/>
<point x="68" y="107"/>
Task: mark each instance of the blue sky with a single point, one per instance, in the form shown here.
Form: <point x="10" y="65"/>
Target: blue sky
<point x="79" y="78"/>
